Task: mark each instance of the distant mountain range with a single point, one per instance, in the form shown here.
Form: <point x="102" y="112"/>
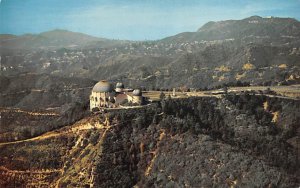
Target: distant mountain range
<point x="255" y="28"/>
<point x="253" y="50"/>
<point x="252" y="29"/>
<point x="50" y="40"/>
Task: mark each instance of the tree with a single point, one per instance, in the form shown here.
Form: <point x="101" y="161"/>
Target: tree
<point x="162" y="96"/>
<point x="225" y="89"/>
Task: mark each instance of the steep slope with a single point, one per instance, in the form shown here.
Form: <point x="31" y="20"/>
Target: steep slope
<point x="34" y="104"/>
<point x="232" y="141"/>
<point x="224" y="63"/>
<point x="33" y="91"/>
<point x="253" y="29"/>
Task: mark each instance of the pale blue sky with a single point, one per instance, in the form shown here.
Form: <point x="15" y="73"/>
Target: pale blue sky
<point x="132" y="19"/>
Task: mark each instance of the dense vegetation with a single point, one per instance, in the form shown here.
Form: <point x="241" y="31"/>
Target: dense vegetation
<point x="237" y="140"/>
<point x="239" y="123"/>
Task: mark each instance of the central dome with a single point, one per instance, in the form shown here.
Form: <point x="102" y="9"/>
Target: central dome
<point x="102" y="86"/>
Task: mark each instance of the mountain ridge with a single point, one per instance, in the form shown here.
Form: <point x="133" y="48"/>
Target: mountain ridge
<point x="53" y="39"/>
<point x="251" y="50"/>
<point x="254" y="26"/>
<point x="212" y="30"/>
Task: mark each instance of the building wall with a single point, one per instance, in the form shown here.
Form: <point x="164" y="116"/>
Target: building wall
<point x="98" y="99"/>
<point x="119" y="89"/>
<point x="135" y="99"/>
<point x="120" y="98"/>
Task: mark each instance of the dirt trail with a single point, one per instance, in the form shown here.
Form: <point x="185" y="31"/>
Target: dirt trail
<point x="18" y="110"/>
<point x="44" y="136"/>
<point x="155" y="153"/>
<point x="71" y="129"/>
<point x="45" y="90"/>
<point x="95" y="150"/>
<point x="40" y="177"/>
<point x="43" y="171"/>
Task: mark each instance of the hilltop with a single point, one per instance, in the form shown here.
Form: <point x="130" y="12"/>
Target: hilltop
<point x="254" y="29"/>
<point x="254" y="50"/>
<point x="54" y="39"/>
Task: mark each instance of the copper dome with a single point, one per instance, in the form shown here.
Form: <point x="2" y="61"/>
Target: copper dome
<point x="102" y="86"/>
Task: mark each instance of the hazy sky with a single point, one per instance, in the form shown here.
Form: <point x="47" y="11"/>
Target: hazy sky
<point x="132" y="19"/>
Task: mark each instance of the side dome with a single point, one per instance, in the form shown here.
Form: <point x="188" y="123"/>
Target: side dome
<point x="120" y="85"/>
<point x="102" y="86"/>
<point x="137" y="92"/>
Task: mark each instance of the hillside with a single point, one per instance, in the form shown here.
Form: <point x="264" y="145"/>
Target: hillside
<point x="255" y="29"/>
<point x="229" y="142"/>
<point x="50" y="40"/>
<point x="234" y="137"/>
<point x="33" y="104"/>
<point x="33" y="91"/>
<point x="254" y="50"/>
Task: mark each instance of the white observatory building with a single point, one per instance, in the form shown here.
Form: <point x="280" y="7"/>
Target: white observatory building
<point x="103" y="95"/>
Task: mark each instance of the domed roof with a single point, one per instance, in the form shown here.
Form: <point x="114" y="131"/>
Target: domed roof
<point x="137" y="92"/>
<point x="102" y="86"/>
<point x="119" y="85"/>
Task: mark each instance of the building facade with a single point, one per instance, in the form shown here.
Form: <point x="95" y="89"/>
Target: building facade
<point x="104" y="95"/>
